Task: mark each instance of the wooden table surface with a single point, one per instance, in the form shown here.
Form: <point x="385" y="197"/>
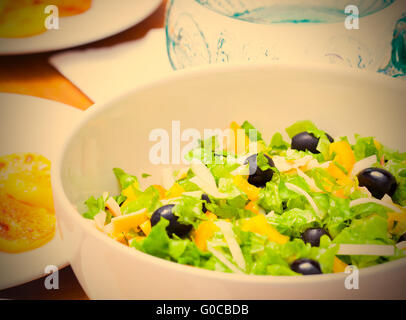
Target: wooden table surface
<point x="33" y="75"/>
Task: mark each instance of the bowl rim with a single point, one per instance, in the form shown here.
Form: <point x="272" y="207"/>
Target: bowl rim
<point x="67" y="208"/>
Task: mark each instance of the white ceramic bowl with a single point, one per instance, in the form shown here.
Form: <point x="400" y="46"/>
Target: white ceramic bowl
<point x="115" y="134"/>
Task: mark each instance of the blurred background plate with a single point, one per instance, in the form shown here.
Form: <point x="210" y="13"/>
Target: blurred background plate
<point x="103" y="19"/>
<point x="30" y="124"/>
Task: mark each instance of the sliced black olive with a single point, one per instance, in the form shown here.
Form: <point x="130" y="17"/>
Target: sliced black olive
<point x="378" y="181"/>
<point x="174" y="226"/>
<point x="206" y="198"/>
<point x="257" y="177"/>
<point x="307" y="141"/>
<point x="313" y="235"/>
<point x="306" y="266"/>
<point x="402" y="237"/>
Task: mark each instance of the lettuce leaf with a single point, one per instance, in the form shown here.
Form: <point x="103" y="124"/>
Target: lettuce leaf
<point x="148" y="199"/>
<point x="125" y="179"/>
<point x="230" y="208"/>
<point x="189" y="211"/>
<point x="295" y="221"/>
<point x="398" y="169"/>
<point x="269" y="198"/>
<point x="302" y="126"/>
<point x="94" y="206"/>
<point x="255" y="133"/>
<point x="370" y="230"/>
<point x="159" y="244"/>
<point x="277" y="142"/>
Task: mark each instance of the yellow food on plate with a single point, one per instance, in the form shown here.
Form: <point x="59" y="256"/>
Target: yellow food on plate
<point x="26" y="18"/>
<point x="27" y="218"/>
<point x="23" y="227"/>
<point x="67" y="7"/>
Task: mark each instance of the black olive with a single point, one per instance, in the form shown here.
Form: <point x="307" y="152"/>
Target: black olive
<point x="257" y="177"/>
<point x="313" y="235"/>
<point x="206" y="198"/>
<point x="402" y="237"/>
<point x="174" y="226"/>
<point x="378" y="181"/>
<point x="306" y="266"/>
<point x="307" y="141"/>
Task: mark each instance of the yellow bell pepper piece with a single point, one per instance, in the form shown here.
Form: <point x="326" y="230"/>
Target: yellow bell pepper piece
<point x="260" y="225"/>
<point x="344" y="156"/>
<point x="204" y="232"/>
<point x="175" y="191"/>
<point x="161" y="190"/>
<point x="251" y="191"/>
<point x="146" y="227"/>
<point x="139" y="238"/>
<point x="129" y="192"/>
<point x="211" y="216"/>
<point x="253" y="207"/>
<point x="126" y="222"/>
<point x="377" y="144"/>
<point x="339" y="266"/>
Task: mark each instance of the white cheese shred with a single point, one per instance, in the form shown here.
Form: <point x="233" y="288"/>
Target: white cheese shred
<point x="113" y="207"/>
<point x="360" y="201"/>
<point x="366" y="249"/>
<point x="224" y="260"/>
<point x="232" y="243"/>
<point x="100" y="219"/>
<point x="308" y="180"/>
<point x="296" y="189"/>
<point x="401" y="245"/>
<point x="363" y="164"/>
<point x="205" y="180"/>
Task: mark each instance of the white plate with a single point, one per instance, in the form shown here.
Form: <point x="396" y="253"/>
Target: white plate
<point x="29" y="124"/>
<point x="103" y="19"/>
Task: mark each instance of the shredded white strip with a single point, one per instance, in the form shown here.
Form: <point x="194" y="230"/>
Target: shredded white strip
<point x="105" y="196"/>
<point x="208" y="188"/>
<point x="241" y="171"/>
<point x="363" y="164"/>
<point x="167" y="178"/>
<point x="364" y="191"/>
<point x="308" y="180"/>
<point x="201" y="171"/>
<point x="401" y="245"/>
<point x="100" y="219"/>
<point x="232" y="243"/>
<point x="113" y="207"/>
<point x="281" y="164"/>
<point x="366" y="249"/>
<point x="325" y="165"/>
<point x="205" y="180"/>
<point x="224" y="260"/>
<point x="359" y="201"/>
<point x="131" y="214"/>
<point x="182" y="173"/>
<point x="108" y="228"/>
<point x="195" y="194"/>
<point x="307" y="196"/>
<point x="169" y="201"/>
<point x="284" y="165"/>
<point x="271" y="214"/>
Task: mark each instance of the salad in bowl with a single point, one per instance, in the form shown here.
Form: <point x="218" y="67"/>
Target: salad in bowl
<point x="309" y="205"/>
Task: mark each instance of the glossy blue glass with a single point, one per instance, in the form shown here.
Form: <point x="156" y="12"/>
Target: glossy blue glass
<point x="219" y="31"/>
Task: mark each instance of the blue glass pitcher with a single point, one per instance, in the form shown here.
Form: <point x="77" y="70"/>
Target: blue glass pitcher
<point x="365" y="34"/>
